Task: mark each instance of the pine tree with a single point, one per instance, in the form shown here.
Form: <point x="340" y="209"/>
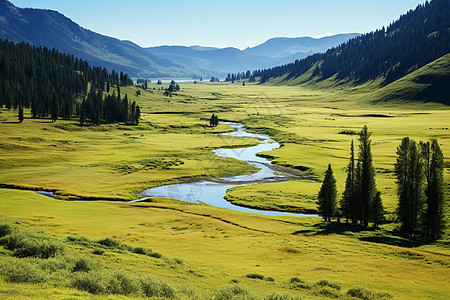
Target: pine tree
<point x="133" y="112"/>
<point x="212" y="120"/>
<point x="347" y="204"/>
<point x="433" y="223"/>
<point x="327" y="196"/>
<point x="138" y="114"/>
<point x="367" y="185"/>
<point x="124" y="108"/>
<point x="409" y="173"/>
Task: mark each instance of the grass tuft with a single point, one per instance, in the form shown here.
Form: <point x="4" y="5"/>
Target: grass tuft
<point x="363" y="293"/>
<point x="255" y="276"/>
<point x="233" y="292"/>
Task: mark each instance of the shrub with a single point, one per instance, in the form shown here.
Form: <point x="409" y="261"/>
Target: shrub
<point x="363" y="293"/>
<point x="268" y="278"/>
<point x="334" y="285"/>
<point x="255" y="276"/>
<point x="329" y="292"/>
<point x="156" y="287"/>
<point x="297" y="283"/>
<point x="38" y="248"/>
<point x="55" y="264"/>
<point x="178" y="261"/>
<point x="232" y="292"/>
<point x="80" y="240"/>
<point x="141" y="250"/>
<point x="123" y="284"/>
<point x="284" y="296"/>
<point x="155" y="254"/>
<point x="92" y="282"/>
<point x="11" y="241"/>
<point x="98" y="251"/>
<point x="16" y="270"/>
<point x="5" y="229"/>
<point x="295" y="280"/>
<point x="85" y="264"/>
<point x="111" y="243"/>
<point x="348" y="131"/>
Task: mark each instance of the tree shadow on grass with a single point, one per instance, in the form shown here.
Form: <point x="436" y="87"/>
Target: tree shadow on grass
<point x="393" y="241"/>
<point x="365" y="234"/>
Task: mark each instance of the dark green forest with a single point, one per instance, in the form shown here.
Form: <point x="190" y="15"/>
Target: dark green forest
<point x="60" y="86"/>
<point x="414" y="40"/>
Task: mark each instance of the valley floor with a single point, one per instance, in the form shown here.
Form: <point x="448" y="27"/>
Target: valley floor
<point x="218" y="246"/>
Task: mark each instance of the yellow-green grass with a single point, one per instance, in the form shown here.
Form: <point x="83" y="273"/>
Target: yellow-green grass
<point x="94" y="161"/>
<point x="114" y="161"/>
<point x="219" y="245"/>
<point x="110" y="161"/>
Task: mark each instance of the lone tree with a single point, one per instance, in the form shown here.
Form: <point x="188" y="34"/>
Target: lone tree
<point x="327" y="196"/>
<point x="214" y="121"/>
<point x="365" y="175"/>
<point x="433" y="223"/>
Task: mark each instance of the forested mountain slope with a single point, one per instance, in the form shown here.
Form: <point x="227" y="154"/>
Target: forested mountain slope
<point x="414" y="40"/>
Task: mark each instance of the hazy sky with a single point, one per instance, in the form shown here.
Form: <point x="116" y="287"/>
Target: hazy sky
<point x="224" y="23"/>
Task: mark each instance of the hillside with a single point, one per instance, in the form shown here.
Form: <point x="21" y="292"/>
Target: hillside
<point x="54" y="30"/>
<point x="430" y="83"/>
<point x="414" y="40"/>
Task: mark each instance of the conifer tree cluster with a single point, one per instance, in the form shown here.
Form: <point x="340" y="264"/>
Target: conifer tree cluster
<point x="238" y="76"/>
<point x="419" y="172"/>
<point x="111" y="109"/>
<point x="361" y="202"/>
<point x="51" y="83"/>
<point x="173" y="87"/>
<point x="414" y="40"/>
<point x="214" y="121"/>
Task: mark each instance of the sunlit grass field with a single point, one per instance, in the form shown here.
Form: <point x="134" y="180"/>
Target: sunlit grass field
<point x="173" y="143"/>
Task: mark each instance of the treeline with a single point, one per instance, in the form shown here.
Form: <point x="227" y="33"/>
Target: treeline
<point x="111" y="109"/>
<point x="414" y="40"/>
<point x="419" y="171"/>
<point x="50" y="83"/>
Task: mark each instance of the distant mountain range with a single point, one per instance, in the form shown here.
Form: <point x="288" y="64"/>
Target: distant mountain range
<point x="54" y="30"/>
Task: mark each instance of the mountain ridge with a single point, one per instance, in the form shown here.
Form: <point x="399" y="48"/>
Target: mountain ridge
<point x="52" y="29"/>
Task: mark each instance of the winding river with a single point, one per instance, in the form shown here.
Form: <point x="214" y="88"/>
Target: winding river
<point x="212" y="191"/>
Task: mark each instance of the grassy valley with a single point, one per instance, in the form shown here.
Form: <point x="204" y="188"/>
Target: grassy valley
<point x="207" y="252"/>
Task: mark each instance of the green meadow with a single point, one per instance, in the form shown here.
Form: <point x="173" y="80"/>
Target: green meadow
<point x="208" y="252"/>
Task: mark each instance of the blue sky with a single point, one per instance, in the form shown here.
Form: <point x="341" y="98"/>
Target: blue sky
<point x="229" y="23"/>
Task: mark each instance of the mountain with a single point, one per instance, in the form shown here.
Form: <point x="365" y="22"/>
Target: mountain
<point x="416" y="39"/>
<point x="54" y="30"/>
<point x="286" y="47"/>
